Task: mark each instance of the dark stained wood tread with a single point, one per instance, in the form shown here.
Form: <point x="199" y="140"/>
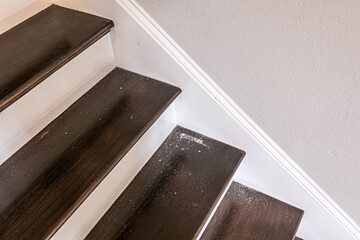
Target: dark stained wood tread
<point x="37" y="47"/>
<point x="47" y="179"/>
<point x="174" y="193"/>
<point x="247" y="214"/>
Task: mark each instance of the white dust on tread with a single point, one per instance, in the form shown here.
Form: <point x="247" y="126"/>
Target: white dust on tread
<point x="248" y="197"/>
<point x="173" y="195"/>
<point x="193" y="139"/>
<point x="43" y="135"/>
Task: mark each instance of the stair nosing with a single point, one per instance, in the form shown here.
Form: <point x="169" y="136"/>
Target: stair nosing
<point x="121" y="153"/>
<point x="158" y="174"/>
<point x="250" y="210"/>
<point x="33" y="81"/>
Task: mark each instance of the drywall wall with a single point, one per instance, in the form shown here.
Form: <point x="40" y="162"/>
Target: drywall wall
<point x="293" y="67"/>
<point x="15" y="11"/>
<point x="10" y="7"/>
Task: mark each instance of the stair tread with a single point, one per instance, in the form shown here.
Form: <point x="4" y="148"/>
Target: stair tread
<point x="175" y="191"/>
<point x="250" y="214"/>
<point x="48" y="178"/>
<point x="40" y="45"/>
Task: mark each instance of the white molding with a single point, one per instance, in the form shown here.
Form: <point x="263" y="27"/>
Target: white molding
<point x="231" y="108"/>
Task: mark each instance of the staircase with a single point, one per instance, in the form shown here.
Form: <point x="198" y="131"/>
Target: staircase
<point x="184" y="191"/>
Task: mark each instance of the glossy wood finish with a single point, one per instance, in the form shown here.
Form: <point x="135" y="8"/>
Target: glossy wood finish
<point x="250" y="215"/>
<point x="37" y="47"/>
<point x="48" y="178"/>
<point x="174" y="193"/>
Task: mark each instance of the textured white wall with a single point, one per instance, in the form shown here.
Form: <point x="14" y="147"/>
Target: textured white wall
<point x="15" y="11"/>
<point x="10" y="7"/>
<point x="293" y="67"/>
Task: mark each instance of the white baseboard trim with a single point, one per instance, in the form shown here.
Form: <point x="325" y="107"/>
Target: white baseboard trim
<point x="100" y="200"/>
<point x="224" y="101"/>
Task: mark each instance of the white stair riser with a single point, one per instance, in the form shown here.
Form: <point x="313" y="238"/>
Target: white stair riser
<point x="31" y="113"/>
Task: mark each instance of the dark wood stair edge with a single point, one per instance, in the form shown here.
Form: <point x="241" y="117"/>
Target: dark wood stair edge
<point x="221" y="193"/>
<point x="96" y="183"/>
<point x="295" y="229"/>
<point x="217" y="201"/>
<point x="298" y="223"/>
<point x="35" y="80"/>
<point x="94" y="233"/>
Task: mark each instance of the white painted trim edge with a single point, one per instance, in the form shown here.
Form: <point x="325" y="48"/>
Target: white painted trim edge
<point x="210" y="87"/>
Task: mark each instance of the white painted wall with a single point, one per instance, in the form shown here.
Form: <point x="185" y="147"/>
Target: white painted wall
<point x="15" y="11"/>
<point x="137" y="51"/>
<point x="10" y="7"/>
<point x="293" y="67"/>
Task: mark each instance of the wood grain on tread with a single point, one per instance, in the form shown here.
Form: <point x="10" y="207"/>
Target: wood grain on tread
<point x="37" y="47"/>
<point x="248" y="214"/>
<point x="48" y="178"/>
<point x="174" y="193"/>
